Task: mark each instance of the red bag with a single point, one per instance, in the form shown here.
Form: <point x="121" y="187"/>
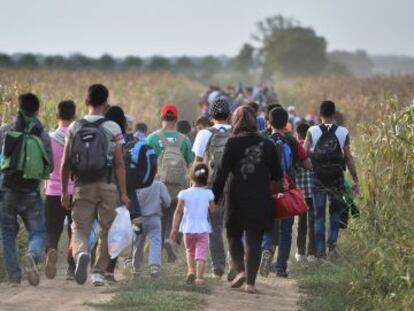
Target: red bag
<point x="290" y="202"/>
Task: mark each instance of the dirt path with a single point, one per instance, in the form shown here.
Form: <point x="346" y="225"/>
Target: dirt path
<point x="52" y="295"/>
<point x="274" y="294"/>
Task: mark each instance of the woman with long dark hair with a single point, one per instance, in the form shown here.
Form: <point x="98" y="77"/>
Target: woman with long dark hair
<point x="250" y="162"/>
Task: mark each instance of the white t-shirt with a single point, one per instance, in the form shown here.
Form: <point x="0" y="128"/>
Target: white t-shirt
<point x="202" y="138"/>
<point x="196" y="203"/>
<point x="341" y="133"/>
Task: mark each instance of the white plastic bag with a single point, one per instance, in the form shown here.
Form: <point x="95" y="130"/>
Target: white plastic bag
<point x="120" y="234"/>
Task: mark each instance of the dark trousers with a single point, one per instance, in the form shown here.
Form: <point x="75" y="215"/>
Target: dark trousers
<point x="306" y="231"/>
<point x="285" y="243"/>
<point x="251" y="252"/>
<point x="218" y="254"/>
<point x="55" y="216"/>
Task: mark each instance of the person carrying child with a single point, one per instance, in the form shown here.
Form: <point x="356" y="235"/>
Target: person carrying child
<point x="194" y="205"/>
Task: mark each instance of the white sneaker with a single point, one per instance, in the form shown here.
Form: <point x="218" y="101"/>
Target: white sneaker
<point x="312" y="259"/>
<point x="300" y="258"/>
<point x="98" y="279"/>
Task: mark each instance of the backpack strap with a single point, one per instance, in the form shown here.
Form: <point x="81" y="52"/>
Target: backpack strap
<point x="325" y="129"/>
<point x="58" y="136"/>
<point x="100" y="121"/>
<point x="178" y="142"/>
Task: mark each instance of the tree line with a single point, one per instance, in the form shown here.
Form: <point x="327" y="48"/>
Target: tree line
<point x="280" y="48"/>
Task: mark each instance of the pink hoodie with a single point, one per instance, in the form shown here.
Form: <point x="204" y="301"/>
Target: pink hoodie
<point x="53" y="184"/>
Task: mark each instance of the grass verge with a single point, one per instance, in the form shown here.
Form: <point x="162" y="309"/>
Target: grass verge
<point x="168" y="293"/>
<point x="325" y="287"/>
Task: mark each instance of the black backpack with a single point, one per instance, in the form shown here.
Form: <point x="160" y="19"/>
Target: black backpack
<point x="89" y="152"/>
<point x="140" y="163"/>
<point x="327" y="158"/>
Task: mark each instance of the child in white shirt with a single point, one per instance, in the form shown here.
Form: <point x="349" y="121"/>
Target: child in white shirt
<point x="195" y="204"/>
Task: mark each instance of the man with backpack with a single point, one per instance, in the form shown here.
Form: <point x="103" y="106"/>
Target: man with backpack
<point x="55" y="213"/>
<point x="292" y="154"/>
<point x="208" y="147"/>
<point x="26" y="160"/>
<point x="329" y="147"/>
<point x="174" y="156"/>
<point x="93" y="152"/>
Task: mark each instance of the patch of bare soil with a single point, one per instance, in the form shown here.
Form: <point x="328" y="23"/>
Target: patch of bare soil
<point x="275" y="294"/>
<point x="57" y="294"/>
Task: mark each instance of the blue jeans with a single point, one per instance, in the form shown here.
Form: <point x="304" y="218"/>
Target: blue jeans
<point x="29" y="207"/>
<point x="271" y="238"/>
<point x="285" y="243"/>
<point x="319" y="207"/>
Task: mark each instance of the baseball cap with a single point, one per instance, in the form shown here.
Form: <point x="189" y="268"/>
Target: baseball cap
<point x="169" y="110"/>
<point x="220" y="108"/>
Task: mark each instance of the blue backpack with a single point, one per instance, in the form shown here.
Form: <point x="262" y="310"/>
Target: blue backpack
<point x="140" y="163"/>
<point x="285" y="152"/>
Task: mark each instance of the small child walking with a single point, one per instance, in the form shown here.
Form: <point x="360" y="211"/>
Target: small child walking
<point x="153" y="201"/>
<point x="193" y="206"/>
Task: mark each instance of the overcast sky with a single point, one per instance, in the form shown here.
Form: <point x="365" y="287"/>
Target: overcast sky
<point x="195" y="27"/>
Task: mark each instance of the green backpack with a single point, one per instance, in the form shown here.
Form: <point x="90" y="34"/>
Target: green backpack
<point x="24" y="153"/>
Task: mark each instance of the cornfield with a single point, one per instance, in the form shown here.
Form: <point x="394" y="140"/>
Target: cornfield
<point x="380" y="243"/>
<point x="360" y="100"/>
<point x="140" y="94"/>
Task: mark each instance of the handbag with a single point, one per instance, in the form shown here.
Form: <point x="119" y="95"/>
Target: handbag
<point x="290" y="202"/>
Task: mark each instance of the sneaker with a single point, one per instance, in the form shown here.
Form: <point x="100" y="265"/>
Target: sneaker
<point x="300" y="257"/>
<point x="98" y="279"/>
<point x="51" y="260"/>
<point x="282" y="274"/>
<point x="70" y="274"/>
<point x="231" y="275"/>
<point x="217" y="274"/>
<point x="155" y="271"/>
<point x="110" y="278"/>
<point x="81" y="272"/>
<point x="30" y="269"/>
<point x="190" y="278"/>
<point x="311" y="259"/>
<point x="265" y="263"/>
<point x="171" y="248"/>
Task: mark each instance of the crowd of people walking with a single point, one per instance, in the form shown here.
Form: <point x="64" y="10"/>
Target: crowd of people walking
<point x="192" y="184"/>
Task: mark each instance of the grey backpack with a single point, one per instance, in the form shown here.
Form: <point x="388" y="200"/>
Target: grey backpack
<point x="215" y="149"/>
<point x="89" y="152"/>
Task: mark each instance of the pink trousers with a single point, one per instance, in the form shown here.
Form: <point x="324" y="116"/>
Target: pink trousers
<point x="196" y="245"/>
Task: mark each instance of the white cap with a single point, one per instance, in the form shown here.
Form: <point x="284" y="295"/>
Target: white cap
<point x="291" y="109"/>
